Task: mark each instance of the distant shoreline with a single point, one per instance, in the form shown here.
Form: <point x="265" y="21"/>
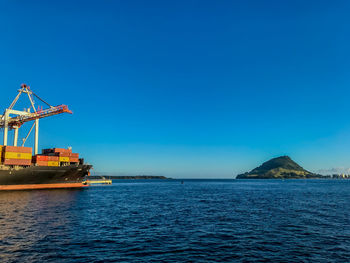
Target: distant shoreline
<point x="295" y="178"/>
<point x="135" y="177"/>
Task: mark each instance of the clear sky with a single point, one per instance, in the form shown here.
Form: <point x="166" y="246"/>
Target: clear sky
<point x="185" y="88"/>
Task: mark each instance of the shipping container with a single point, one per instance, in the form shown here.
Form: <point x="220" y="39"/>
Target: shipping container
<point x="42" y="163"/>
<point x="65" y="154"/>
<point x="64" y="159"/>
<point x="17" y="155"/>
<point x="40" y="158"/>
<point x="18" y="149"/>
<point x="53" y="158"/>
<point x="75" y="155"/>
<point x="60" y="154"/>
<point x="46" y="151"/>
<point x="1" y="150"/>
<point x="17" y="162"/>
<point x="61" y="150"/>
<point x="74" y="160"/>
<point x="50" y="163"/>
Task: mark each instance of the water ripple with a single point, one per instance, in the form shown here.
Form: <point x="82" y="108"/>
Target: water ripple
<point x="166" y="221"/>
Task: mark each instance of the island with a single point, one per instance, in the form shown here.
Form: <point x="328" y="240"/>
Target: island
<point x="282" y="167"/>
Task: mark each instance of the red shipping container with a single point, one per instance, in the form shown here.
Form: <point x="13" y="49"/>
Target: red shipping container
<point x="17" y="149"/>
<point x="74" y="160"/>
<point x="75" y="155"/>
<point x="37" y="158"/>
<point x="53" y="158"/>
<point x="17" y="162"/>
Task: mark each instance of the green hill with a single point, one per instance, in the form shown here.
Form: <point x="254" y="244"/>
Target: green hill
<point x="278" y="168"/>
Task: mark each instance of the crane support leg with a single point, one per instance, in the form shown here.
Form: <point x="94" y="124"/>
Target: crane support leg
<point x="36" y="139"/>
<point x="15" y="137"/>
<point x="6" y="128"/>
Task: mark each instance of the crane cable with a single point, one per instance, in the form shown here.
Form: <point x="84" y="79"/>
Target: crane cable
<point x="41" y="99"/>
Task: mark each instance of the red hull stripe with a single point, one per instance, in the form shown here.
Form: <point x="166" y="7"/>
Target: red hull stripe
<point x="41" y="186"/>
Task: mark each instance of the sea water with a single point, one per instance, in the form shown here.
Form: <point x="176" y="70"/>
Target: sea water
<point x="171" y="221"/>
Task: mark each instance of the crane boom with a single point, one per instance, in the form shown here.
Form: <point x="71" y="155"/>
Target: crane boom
<point x="24" y="117"/>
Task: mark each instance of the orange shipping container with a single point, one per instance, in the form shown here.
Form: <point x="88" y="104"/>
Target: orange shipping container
<point x="18" y="149"/>
<point x="53" y="158"/>
<point x="74" y="160"/>
<point x="66" y="154"/>
<point x="42" y="163"/>
<point x="75" y="155"/>
<point x="17" y="162"/>
<point x="61" y="150"/>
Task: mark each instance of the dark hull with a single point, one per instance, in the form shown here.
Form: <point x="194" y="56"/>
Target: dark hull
<point x="38" y="177"/>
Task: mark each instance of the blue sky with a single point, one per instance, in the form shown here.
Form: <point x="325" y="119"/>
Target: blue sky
<point x="185" y="88"/>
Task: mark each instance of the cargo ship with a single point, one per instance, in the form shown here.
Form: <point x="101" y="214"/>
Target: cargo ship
<point x="20" y="169"/>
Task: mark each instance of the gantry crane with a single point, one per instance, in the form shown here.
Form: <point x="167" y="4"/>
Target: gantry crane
<point x="14" y="119"/>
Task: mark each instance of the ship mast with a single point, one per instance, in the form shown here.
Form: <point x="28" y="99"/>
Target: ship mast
<point x="14" y="119"/>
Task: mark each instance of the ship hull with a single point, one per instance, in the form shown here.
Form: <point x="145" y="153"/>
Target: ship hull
<point x="43" y="177"/>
